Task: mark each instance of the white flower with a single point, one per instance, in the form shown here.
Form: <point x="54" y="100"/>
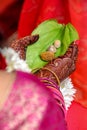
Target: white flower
<point x="13" y="60"/>
<point x="68" y="91"/>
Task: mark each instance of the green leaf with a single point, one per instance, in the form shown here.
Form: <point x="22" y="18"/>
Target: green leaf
<point x="72" y="32"/>
<point x="69" y="35"/>
<point x="49" y="31"/>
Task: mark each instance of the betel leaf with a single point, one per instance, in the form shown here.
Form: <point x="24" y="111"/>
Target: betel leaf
<point x="69" y="35"/>
<point x="49" y="31"/>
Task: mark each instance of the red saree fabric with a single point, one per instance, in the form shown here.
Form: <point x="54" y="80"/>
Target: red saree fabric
<point x="77" y="117"/>
<point x="36" y="11"/>
<point x="78" y="13"/>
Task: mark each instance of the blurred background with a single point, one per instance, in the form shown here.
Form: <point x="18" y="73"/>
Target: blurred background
<point x="9" y="17"/>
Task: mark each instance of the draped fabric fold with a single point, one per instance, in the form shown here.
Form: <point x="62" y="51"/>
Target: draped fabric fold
<point x="36" y="11"/>
<point x="78" y="17"/>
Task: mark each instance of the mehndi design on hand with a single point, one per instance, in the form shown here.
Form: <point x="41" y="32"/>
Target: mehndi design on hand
<point x="61" y="67"/>
<point x="21" y="44"/>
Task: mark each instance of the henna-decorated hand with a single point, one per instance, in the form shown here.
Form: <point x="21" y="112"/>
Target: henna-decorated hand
<point x="61" y="67"/>
<point x="21" y="44"/>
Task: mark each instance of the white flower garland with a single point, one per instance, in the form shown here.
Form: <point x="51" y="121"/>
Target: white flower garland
<point x="68" y="91"/>
<point x="13" y="60"/>
<point x="15" y="63"/>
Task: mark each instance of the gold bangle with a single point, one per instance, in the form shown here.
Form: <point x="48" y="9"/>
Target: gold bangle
<point x="58" y="81"/>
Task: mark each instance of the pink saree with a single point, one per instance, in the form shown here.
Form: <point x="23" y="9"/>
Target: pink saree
<point x="31" y="106"/>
